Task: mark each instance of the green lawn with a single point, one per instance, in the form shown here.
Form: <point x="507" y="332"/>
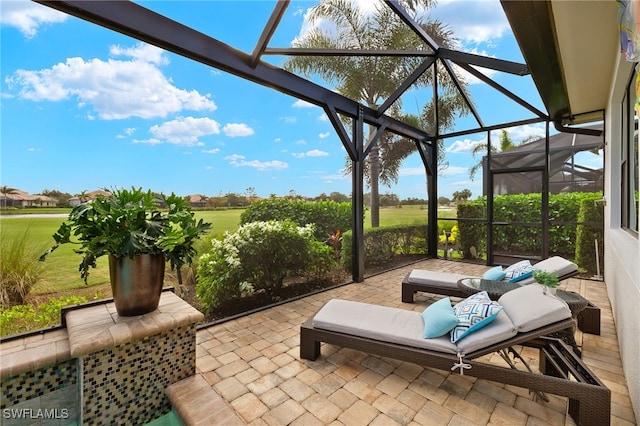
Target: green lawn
<point x="62" y="265"/>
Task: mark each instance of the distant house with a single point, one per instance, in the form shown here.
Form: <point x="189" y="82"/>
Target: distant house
<point x="197" y="200"/>
<point x="21" y="199"/>
<point x="76" y="201"/>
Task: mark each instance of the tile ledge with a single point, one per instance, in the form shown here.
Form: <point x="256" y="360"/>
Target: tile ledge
<point x="108" y="329"/>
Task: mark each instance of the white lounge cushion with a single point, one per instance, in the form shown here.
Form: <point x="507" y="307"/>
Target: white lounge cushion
<point x="529" y="307"/>
<point x="501" y="328"/>
<point x="435" y="278"/>
<point x="382" y="323"/>
<point x="557" y="264"/>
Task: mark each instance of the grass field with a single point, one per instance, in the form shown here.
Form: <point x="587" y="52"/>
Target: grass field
<point x="61" y="272"/>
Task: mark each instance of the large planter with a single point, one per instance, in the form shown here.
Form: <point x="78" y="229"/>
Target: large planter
<point x="136" y="283"/>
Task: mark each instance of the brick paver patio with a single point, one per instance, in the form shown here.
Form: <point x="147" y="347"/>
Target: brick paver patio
<point x="249" y="371"/>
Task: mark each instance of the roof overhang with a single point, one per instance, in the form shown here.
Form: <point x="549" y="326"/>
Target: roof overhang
<point x="571" y="48"/>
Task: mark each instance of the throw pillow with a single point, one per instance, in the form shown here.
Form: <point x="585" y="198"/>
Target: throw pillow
<point x="494" y="274"/>
<point x="439" y="318"/>
<point x="474" y="312"/>
<point x="518" y="271"/>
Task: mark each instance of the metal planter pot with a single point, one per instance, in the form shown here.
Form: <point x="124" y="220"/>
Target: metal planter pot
<point x="136" y="283"/>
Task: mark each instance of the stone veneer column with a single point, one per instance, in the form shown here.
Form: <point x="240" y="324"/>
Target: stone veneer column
<point x="127" y="362"/>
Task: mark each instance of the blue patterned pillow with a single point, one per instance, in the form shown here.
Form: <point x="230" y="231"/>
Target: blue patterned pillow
<point x="518" y="271"/>
<point x="474" y="312"/>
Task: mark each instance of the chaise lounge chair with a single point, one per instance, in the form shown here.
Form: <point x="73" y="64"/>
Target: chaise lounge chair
<point x="527" y="316"/>
<point x="446" y="283"/>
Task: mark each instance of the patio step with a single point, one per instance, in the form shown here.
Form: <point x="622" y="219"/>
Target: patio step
<point x="198" y="404"/>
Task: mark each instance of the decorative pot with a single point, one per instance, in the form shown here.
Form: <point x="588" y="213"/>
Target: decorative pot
<point x="136" y="283"/>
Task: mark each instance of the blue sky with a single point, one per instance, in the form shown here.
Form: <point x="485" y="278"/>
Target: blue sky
<point x="85" y="108"/>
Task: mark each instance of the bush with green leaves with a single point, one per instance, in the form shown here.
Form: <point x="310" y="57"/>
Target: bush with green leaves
<point x="23" y="318"/>
<point x="563" y="208"/>
<point x="586" y="235"/>
<point x="259" y="256"/>
<point x="382" y="244"/>
<point x="328" y="216"/>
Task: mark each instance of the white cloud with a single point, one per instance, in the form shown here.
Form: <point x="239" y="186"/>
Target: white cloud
<point x="336" y="176"/>
<point x="311" y="153"/>
<point x="234" y="130"/>
<point x="185" y="130"/>
<point x="142" y="52"/>
<point x="412" y="171"/>
<point x="240" y="161"/>
<point x="28" y="16"/>
<point x="517" y="134"/>
<point x="323" y="117"/>
<point x="473" y="21"/>
<point x="324" y="135"/>
<point x="454" y="171"/>
<point x="289" y="119"/>
<point x="151" y="141"/>
<point x="115" y="89"/>
<point x="300" y="142"/>
<point x="317" y="153"/>
<point x="303" y="104"/>
<point x="464" y="146"/>
<point x="211" y="151"/>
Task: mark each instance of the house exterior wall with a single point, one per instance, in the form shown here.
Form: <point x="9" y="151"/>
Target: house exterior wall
<point x="622" y="248"/>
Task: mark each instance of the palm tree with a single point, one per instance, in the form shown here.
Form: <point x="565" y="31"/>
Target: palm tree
<point x="6" y="190"/>
<point x="506" y="143"/>
<point x="372" y="79"/>
<point x="83" y="196"/>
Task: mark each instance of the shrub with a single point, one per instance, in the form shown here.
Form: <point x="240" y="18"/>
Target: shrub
<point x="452" y="238"/>
<point x="23" y="318"/>
<point x="382" y="244"/>
<point x="20" y="268"/>
<point x="259" y="256"/>
<point x="472" y="236"/>
<point x="590" y="211"/>
<point x="328" y="216"/>
<point x="563" y="207"/>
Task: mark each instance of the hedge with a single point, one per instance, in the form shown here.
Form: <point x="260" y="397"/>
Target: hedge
<point x="564" y="207"/>
<point x="382" y="244"/>
<point x="590" y="211"/>
<point x="328" y="216"/>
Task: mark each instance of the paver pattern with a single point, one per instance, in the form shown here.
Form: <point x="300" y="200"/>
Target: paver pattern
<point x="249" y="371"/>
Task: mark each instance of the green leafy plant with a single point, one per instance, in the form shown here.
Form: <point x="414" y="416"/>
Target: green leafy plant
<point x="327" y="215"/>
<point x="23" y="318"/>
<point x="259" y="256"/>
<point x="131" y="222"/>
<point x="549" y="279"/>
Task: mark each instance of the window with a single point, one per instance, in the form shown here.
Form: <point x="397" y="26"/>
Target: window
<point x="629" y="160"/>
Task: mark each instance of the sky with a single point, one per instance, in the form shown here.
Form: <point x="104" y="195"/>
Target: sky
<point x="84" y="108"/>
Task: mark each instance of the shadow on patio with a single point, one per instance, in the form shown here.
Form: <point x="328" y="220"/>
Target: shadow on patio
<point x="249" y="371"/>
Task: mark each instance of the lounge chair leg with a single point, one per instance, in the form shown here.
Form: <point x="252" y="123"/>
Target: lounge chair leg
<point x="309" y="348"/>
<point x="407" y="293"/>
<point x="593" y="407"/>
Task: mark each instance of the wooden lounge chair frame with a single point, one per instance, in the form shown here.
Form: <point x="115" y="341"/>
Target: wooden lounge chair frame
<point x="409" y="288"/>
<point x="564" y="373"/>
